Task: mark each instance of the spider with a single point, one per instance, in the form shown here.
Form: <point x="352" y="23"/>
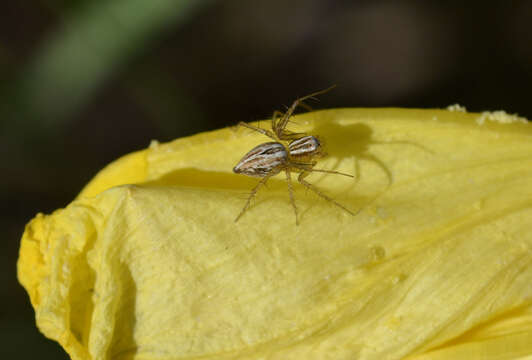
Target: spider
<point x="270" y="158"/>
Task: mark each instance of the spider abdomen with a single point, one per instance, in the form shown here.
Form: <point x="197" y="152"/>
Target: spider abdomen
<point x="264" y="159"/>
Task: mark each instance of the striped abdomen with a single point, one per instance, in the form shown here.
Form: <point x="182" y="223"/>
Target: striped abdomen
<point x="264" y="159"/>
<point x="305" y="147"/>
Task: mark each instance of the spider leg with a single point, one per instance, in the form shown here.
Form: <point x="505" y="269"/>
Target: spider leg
<point x="331" y="172"/>
<point x="279" y="129"/>
<point x="281" y="124"/>
<point x="301" y="179"/>
<point x="291" y="192"/>
<point x="275" y="117"/>
<point x="257" y="129"/>
<point x="252" y="195"/>
<point x="290" y="135"/>
<point x="310" y="168"/>
<point x="306" y="106"/>
<point x="281" y="133"/>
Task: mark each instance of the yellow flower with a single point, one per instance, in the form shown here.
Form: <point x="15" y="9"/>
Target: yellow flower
<point x="148" y="263"/>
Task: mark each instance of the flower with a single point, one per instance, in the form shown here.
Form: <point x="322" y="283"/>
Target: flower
<point x="148" y="263"/>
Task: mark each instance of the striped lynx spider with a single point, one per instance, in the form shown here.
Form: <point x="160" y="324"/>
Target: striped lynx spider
<point x="289" y="152"/>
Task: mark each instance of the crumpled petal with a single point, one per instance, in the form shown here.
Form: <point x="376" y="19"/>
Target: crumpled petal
<point x="148" y="263"/>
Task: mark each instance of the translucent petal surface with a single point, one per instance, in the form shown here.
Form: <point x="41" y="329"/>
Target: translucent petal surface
<point x="148" y="263"/>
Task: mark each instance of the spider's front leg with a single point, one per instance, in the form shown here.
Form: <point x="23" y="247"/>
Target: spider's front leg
<point x="280" y="131"/>
<point x="259" y="130"/>
<point x="281" y="125"/>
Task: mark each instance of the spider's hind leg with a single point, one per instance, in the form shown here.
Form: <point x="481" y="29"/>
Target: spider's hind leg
<point x="301" y="179"/>
<point x="291" y="193"/>
<point x="310" y="168"/>
<point x="252" y="195"/>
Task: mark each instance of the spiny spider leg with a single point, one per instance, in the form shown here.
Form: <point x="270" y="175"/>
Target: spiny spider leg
<point x="283" y="134"/>
<point x="257" y="129"/>
<point x="252" y="195"/>
<point x="291" y="192"/>
<point x="277" y="115"/>
<point x="318" y="192"/>
<point x="330" y="172"/>
<point x="290" y="135"/>
<point x="310" y="168"/>
<point x="279" y="128"/>
<point x="306" y="106"/>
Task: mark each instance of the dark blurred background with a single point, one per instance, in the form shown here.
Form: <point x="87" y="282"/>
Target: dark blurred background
<point x="83" y="82"/>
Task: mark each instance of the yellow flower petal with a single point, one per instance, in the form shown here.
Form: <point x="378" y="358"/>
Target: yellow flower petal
<point x="147" y="262"/>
